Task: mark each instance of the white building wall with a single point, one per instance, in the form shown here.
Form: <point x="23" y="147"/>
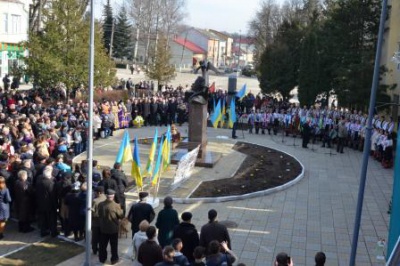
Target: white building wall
<point x="14" y="22"/>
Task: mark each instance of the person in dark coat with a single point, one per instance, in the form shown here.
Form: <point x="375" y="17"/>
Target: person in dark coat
<point x="23" y="199"/>
<point x="172" y="109"/>
<point x="306" y="134"/>
<point x="109" y="215"/>
<point x="120" y="178"/>
<point x="140" y="211"/>
<point x="107" y="182"/>
<point x="214" y="231"/>
<point x="5" y="200"/>
<point x="76" y="221"/>
<point x="163" y="111"/>
<point x="187" y="232"/>
<point x="153" y="112"/>
<point x="167" y="219"/>
<point x="46" y="203"/>
<point x="146" y="111"/>
<point x="150" y="252"/>
<point x="96" y="233"/>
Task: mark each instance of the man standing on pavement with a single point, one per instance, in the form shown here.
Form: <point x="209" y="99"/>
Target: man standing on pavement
<point x="214" y="231"/>
<point x="187" y="232"/>
<point x="99" y="197"/>
<point x="119" y="176"/>
<point x="140" y="211"/>
<point x="109" y="214"/>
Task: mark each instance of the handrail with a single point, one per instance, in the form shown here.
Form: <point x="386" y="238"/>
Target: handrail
<point x="394" y="259"/>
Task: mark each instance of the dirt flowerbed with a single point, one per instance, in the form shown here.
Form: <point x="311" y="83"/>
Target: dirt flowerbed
<point x="262" y="169"/>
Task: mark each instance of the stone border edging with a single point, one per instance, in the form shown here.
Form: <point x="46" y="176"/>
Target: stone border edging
<point x="189" y="200"/>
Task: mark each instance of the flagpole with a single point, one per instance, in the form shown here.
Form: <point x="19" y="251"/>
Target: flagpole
<point x="90" y="142"/>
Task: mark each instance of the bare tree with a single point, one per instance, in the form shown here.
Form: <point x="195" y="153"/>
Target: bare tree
<point x="172" y="16"/>
<point x="265" y="25"/>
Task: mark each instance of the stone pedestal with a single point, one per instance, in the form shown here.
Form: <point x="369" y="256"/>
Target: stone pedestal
<point x="198" y="128"/>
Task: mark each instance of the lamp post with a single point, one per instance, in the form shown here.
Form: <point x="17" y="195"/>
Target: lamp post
<point x="368" y="133"/>
<point x="88" y="229"/>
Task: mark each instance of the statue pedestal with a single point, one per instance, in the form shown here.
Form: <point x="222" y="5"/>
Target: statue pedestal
<point x="198" y="127"/>
<point x="197" y="136"/>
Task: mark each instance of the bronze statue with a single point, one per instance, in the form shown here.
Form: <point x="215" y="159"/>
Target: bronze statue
<point x="198" y="93"/>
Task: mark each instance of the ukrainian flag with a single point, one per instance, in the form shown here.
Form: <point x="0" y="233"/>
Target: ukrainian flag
<point x="217" y="115"/>
<point x="125" y="151"/>
<point x="232" y="113"/>
<point x="135" y="171"/>
<point x="152" y="154"/>
<point x="240" y="94"/>
<point x="157" y="168"/>
<point x="166" y="149"/>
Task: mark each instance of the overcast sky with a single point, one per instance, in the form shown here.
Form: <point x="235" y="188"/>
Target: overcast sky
<point x="222" y="15"/>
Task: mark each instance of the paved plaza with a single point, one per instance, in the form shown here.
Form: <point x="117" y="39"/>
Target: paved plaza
<point x="315" y="214"/>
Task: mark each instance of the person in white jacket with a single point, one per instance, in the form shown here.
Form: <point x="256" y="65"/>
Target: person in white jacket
<point x="97" y="124"/>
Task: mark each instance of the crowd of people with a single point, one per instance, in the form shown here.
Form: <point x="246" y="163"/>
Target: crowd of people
<point x="38" y="181"/>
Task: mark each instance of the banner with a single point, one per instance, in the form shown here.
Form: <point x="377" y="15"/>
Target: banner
<point x="185" y="167"/>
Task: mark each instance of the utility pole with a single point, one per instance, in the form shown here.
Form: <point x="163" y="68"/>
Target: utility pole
<point x="112" y="37"/>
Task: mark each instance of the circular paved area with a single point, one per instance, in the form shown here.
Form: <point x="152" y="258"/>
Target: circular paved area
<point x="315" y="214"/>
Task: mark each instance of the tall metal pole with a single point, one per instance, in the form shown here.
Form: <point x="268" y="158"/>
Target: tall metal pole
<point x="367" y="143"/>
<point x="88" y="228"/>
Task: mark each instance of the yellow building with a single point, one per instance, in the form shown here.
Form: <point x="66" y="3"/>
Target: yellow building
<point x="392" y="46"/>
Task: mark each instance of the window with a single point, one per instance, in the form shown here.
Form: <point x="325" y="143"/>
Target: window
<point x="5" y="23"/>
<point x="15" y="24"/>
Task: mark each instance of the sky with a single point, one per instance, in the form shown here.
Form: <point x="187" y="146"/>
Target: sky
<point x="222" y="15"/>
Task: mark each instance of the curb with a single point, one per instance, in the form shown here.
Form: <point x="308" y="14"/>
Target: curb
<point x="260" y="193"/>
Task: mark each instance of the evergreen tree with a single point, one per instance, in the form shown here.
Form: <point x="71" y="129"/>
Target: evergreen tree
<point x="60" y="52"/>
<point x="122" y="36"/>
<point x="108" y="20"/>
<point x="279" y="65"/>
<point x="161" y="70"/>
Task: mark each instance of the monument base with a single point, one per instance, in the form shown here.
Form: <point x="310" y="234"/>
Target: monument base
<point x="208" y="158"/>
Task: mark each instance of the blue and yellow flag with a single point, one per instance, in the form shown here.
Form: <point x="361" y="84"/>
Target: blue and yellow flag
<point x="135" y="171"/>
<point x="152" y="154"/>
<point x="217" y="115"/>
<point x="232" y="113"/>
<point x="166" y="150"/>
<point x="240" y="94"/>
<point x="125" y="151"/>
<point x="157" y="168"/>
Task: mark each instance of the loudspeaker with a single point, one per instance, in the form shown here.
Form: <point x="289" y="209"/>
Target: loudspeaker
<point x="232" y="83"/>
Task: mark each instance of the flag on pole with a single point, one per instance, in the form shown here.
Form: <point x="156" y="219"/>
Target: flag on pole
<point x="166" y="150"/>
<point x="232" y="113"/>
<point x="240" y="94"/>
<point x="211" y="89"/>
<point x="223" y="116"/>
<point x="125" y="151"/>
<point x="135" y="171"/>
<point x="157" y="168"/>
<point x="216" y="116"/>
<point x="150" y="161"/>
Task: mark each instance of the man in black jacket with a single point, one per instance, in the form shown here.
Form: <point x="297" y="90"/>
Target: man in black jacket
<point x="140" y="211"/>
<point x="153" y="112"/>
<point x="47" y="204"/>
<point x="187" y="232"/>
<point x="119" y="176"/>
<point x="214" y="231"/>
